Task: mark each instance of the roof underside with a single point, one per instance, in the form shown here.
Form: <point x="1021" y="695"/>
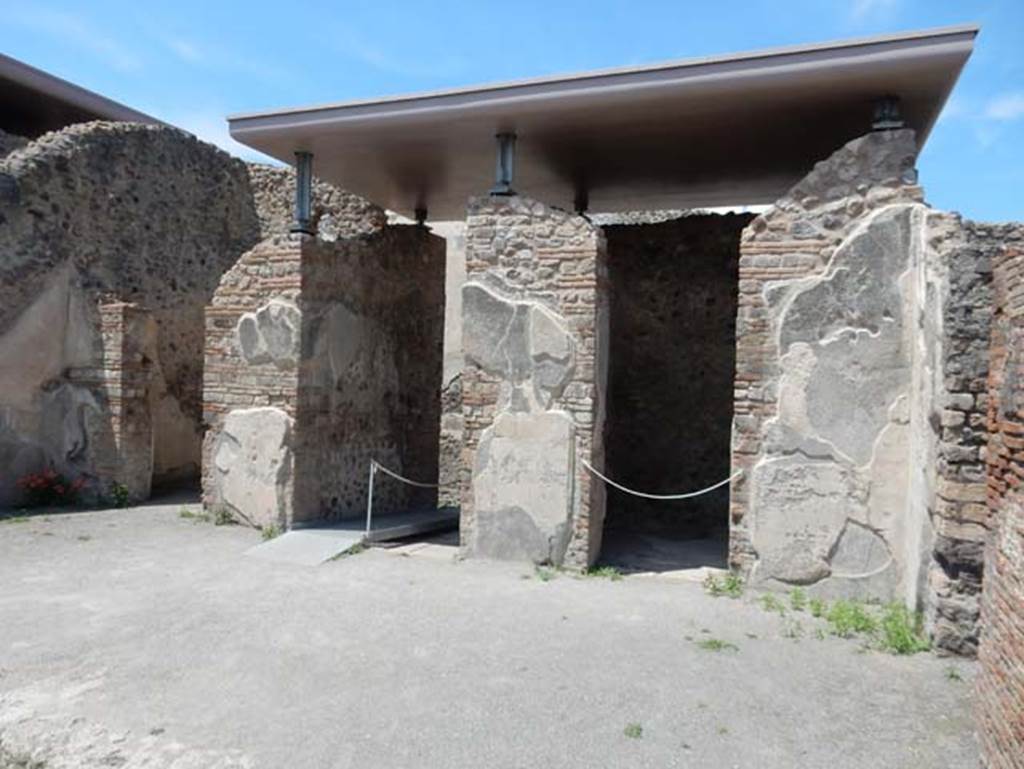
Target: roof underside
<point x="723" y="131"/>
<point x="33" y="102"/>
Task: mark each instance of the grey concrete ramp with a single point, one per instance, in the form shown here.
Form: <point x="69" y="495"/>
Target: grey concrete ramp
<point x="307" y="547"/>
<point x="316" y="544"/>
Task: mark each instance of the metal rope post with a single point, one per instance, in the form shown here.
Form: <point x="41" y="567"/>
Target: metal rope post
<point x="369" y="496"/>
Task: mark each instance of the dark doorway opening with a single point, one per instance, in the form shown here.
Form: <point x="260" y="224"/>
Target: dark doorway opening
<point x="673" y="290"/>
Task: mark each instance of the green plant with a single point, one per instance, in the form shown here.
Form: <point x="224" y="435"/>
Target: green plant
<point x="847" y="618"/>
<point x="356" y="549"/>
<point x="818" y="607"/>
<point x="794" y="629"/>
<point x="770" y="603"/>
<point x="270" y="531"/>
<point x="606" y="572"/>
<point x="119" y="495"/>
<point x="222" y="516"/>
<point x="49" y="488"/>
<point x="797" y="599"/>
<point x="901" y="631"/>
<point x="14" y="518"/>
<point x="717" y="645"/>
<point x="544" y="573"/>
<point x="633" y="731"/>
<point x="952" y="674"/>
<point x="730" y="585"/>
<point x="193" y="514"/>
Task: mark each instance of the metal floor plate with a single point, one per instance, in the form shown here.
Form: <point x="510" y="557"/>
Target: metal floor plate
<point x="313" y="545"/>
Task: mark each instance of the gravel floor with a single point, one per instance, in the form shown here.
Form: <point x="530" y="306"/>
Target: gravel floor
<point x="139" y="638"/>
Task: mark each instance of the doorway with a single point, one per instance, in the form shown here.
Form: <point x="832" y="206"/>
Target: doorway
<point x="673" y="291"/>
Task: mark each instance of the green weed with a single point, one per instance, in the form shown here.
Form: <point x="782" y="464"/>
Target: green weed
<point x="633" y="731"/>
<point x="730" y="585"/>
<point x="952" y="674"/>
<point x="770" y="603"/>
<point x="817" y="607"/>
<point x="797" y="599"/>
<point x="900" y="631"/>
<point x="544" y="573"/>
<point x="15" y="519"/>
<point x="605" y="572"/>
<point x="119" y="495"/>
<point x="222" y="516"/>
<point x="356" y="549"/>
<point x="848" y="618"/>
<point x="270" y="531"/>
<point x="717" y="645"/>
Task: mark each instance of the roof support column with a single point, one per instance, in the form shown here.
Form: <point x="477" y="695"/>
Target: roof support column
<point x="887" y="114"/>
<point x="303" y="193"/>
<point x="506" y="160"/>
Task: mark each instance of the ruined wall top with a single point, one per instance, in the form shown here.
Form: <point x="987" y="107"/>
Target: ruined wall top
<point x="336" y="213"/>
<point x="868" y="172"/>
<point x="10" y="142"/>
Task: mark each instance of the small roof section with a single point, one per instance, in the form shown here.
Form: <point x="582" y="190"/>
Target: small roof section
<point x="737" y="129"/>
<point x="33" y="102"/>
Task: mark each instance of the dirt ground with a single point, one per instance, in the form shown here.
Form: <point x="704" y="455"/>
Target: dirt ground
<point x="141" y="638"/>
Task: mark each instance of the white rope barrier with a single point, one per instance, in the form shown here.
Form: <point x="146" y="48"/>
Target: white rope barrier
<point x="374" y="467"/>
<point x="403" y="479"/>
<point x="645" y="495"/>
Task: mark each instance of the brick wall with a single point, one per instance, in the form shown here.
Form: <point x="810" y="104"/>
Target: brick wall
<point x="320" y="356"/>
<point x="528" y="255"/>
<point x="673" y="294"/>
<point x="117" y="417"/>
<point x="807" y="481"/>
<point x="1000" y="684"/>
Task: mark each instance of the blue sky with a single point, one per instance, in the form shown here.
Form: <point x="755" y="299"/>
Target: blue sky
<point x="191" y="63"/>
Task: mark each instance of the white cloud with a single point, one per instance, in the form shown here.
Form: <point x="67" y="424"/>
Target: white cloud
<point x="185" y="50"/>
<point x="355" y="47"/>
<point x="77" y="31"/>
<point x="220" y="60"/>
<point x="212" y="126"/>
<point x="861" y="10"/>
<point x="1007" y="106"/>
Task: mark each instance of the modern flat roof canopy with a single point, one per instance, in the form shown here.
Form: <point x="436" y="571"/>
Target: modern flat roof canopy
<point x="33" y="102"/>
<point x="728" y="130"/>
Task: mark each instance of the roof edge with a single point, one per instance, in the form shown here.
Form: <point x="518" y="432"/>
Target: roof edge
<point x="933" y="34"/>
<point x="75" y="95"/>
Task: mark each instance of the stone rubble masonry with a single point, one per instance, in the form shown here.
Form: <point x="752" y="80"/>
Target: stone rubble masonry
<point x="861" y="378"/>
<point x="960" y="516"/>
<point x="149" y="216"/>
<point x="1000" y="683"/>
<point x="320" y="356"/>
<point x="825" y="397"/>
<point x="335" y="213"/>
<point x="534" y="342"/>
<point x="11" y="142"/>
<point x="672" y="362"/>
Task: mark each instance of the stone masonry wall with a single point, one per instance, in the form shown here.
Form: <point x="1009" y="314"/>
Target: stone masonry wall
<point x="100" y="213"/>
<point x="960" y="516"/>
<point x="673" y="292"/>
<point x="369" y="383"/>
<point x="1000" y="683"/>
<point x="321" y="356"/>
<point x="534" y="343"/>
<point x="862" y="365"/>
<point x="825" y="385"/>
<point x="144" y="215"/>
